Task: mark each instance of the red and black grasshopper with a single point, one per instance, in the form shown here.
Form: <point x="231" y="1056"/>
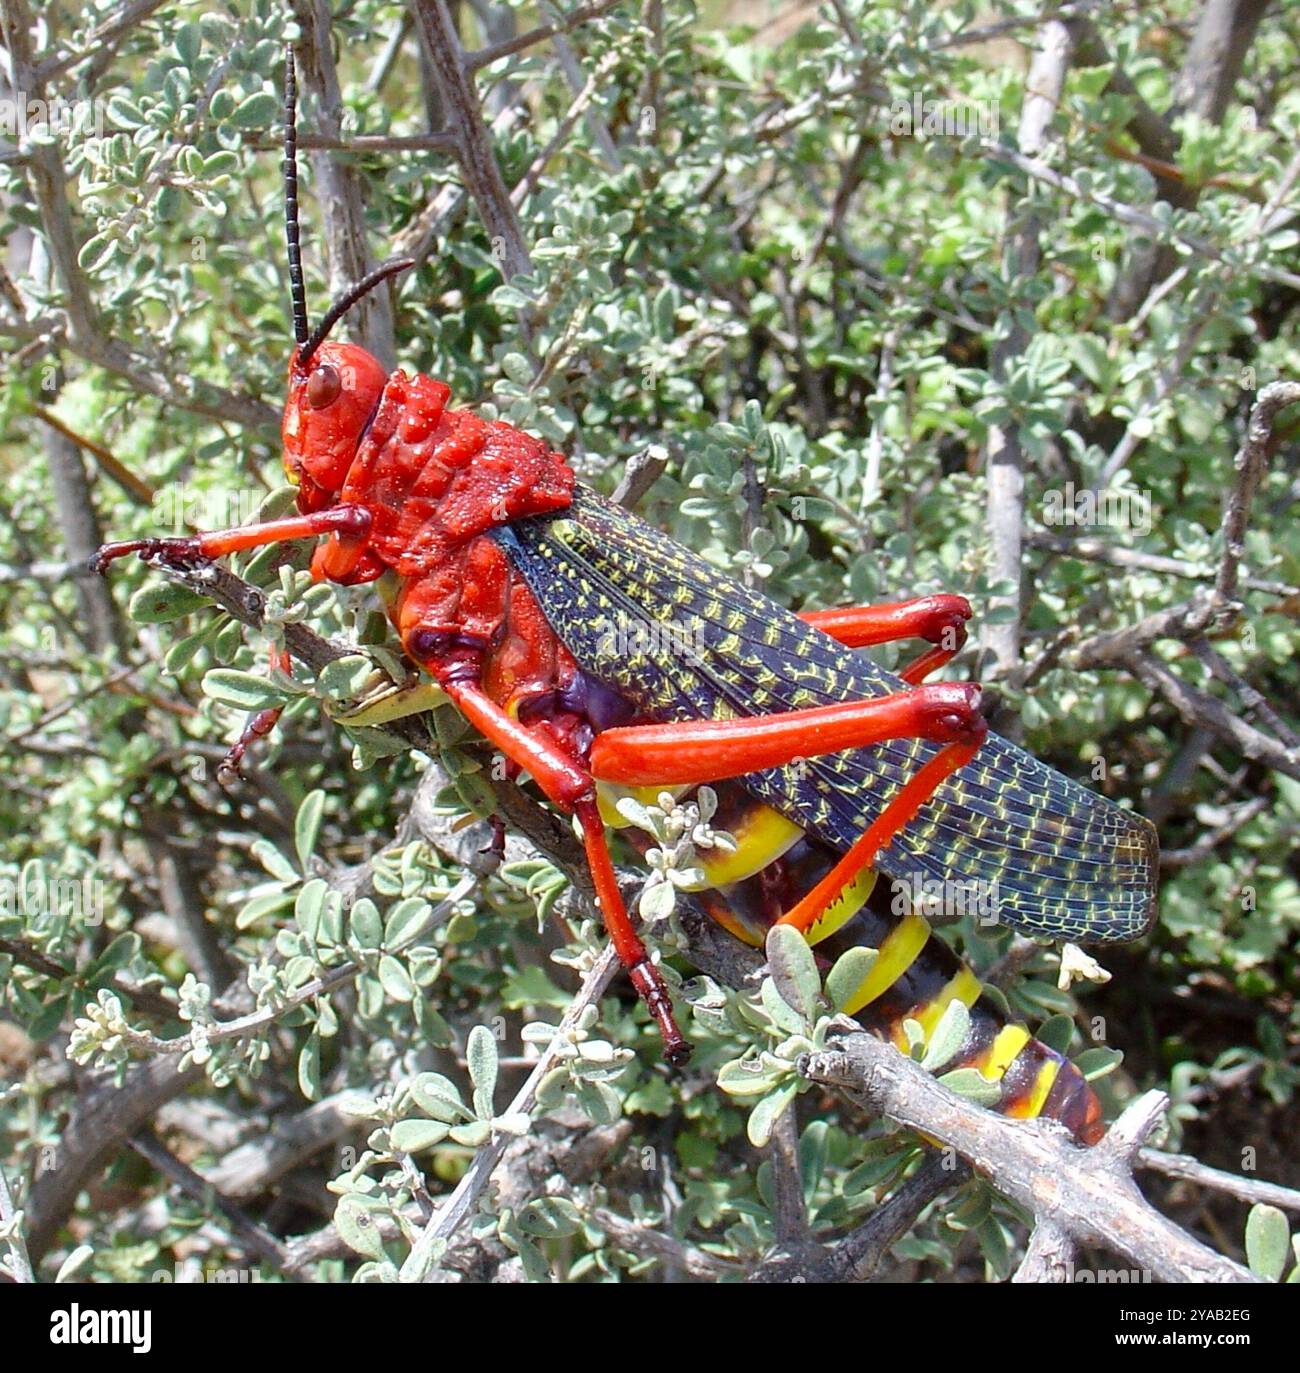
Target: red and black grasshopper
<point x="593" y="651"/>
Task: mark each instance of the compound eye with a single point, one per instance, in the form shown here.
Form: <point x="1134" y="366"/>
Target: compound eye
<point x="323" y="386"/>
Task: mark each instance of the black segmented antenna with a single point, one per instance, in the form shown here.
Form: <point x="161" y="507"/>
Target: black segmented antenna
<point x="307" y="342"/>
<point x="296" y="288"/>
<point x="346" y="301"/>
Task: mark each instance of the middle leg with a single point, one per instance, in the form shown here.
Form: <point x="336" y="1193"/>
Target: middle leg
<point x="571" y="788"/>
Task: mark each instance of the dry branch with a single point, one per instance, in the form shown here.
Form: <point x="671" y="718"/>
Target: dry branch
<point x="1087" y="1194"/>
<point x="482" y="57"/>
<point x="250" y="1168"/>
<point x="1004" y="460"/>
<point x="78" y="328"/>
<point x="474" y="149"/>
<point x="104" y="1117"/>
<point x="1123" y="213"/>
<point x="421" y="1263"/>
<point x="256" y="1240"/>
<point x="1207" y="611"/>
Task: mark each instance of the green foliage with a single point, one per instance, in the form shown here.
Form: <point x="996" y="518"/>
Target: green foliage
<point x="1268" y="1243"/>
<point x="804" y="309"/>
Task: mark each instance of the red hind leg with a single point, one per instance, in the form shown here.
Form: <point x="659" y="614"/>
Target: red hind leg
<point x="695" y="751"/>
<point x="915" y="793"/>
<point x="940" y="620"/>
<point x="711" y="750"/>
<point x="642" y="973"/>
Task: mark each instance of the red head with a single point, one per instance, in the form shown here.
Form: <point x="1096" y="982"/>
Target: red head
<point x="330" y="403"/>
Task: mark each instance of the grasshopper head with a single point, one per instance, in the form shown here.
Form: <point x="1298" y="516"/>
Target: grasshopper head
<point x="331" y="399"/>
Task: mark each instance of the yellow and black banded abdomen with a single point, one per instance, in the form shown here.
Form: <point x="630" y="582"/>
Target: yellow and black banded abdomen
<point x="916" y="976"/>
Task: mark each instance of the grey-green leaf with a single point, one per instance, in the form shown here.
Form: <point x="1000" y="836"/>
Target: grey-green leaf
<point x="364" y="924"/>
<point x="481" y="1055"/>
<point x="1268" y="1240"/>
<point x="766" y="1113"/>
<point x="405" y="921"/>
<point x="241" y="690"/>
<point x="159" y="604"/>
<point x="948" y="1036"/>
<point x="744" y="1077"/>
<point x="971" y="1084"/>
<point x="273" y="860"/>
<point x="473" y="1134"/>
<point x="343" y="678"/>
<point x="309" y="907"/>
<point x="358" y="1225"/>
<point x="309" y="1068"/>
<point x="306" y="828"/>
<point x="550" y="1218"/>
<point x="438" y="1097"/>
<point x="259" y="111"/>
<point x="74" y="1263"/>
<point x="395" y="979"/>
<point x="414" y="1136"/>
<point x="783" y="1015"/>
<point x="847" y="976"/>
<point x="794" y="970"/>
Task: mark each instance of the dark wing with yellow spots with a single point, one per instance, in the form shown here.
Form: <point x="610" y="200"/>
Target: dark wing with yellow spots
<point x="682" y="641"/>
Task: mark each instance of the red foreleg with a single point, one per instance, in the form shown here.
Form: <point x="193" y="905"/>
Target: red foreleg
<point x="571" y="788"/>
<point x="259" y="725"/>
<point x="940" y="620"/>
<point x="349" y="522"/>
